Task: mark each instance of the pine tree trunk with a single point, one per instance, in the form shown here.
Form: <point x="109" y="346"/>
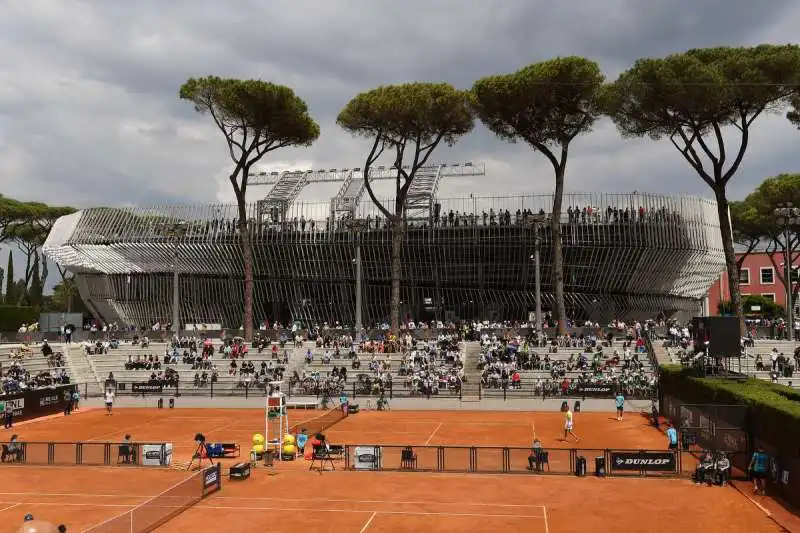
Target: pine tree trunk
<point x="730" y="254"/>
<point x="558" y="254"/>
<point x="397" y="244"/>
<point x="247" y="260"/>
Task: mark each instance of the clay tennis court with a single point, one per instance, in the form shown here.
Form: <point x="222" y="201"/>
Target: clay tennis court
<point x="289" y="496"/>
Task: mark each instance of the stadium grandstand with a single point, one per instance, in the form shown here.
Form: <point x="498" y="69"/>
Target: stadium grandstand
<point x="626" y="255"/>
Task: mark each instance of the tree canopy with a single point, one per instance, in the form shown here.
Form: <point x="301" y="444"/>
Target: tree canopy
<point x="693" y="99"/>
<point x="690" y="97"/>
<point x="794" y="113"/>
<point x="547" y="105"/>
<point x="413" y="119"/>
<point x="755" y="216"/>
<point x="256" y="117"/>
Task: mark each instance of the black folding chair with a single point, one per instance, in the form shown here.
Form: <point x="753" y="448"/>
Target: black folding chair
<point x="319" y="456"/>
<point x="408" y="459"/>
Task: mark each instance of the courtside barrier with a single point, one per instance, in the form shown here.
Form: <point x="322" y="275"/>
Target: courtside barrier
<point x="510" y="460"/>
<point x="146" y="454"/>
<point x="34" y="403"/>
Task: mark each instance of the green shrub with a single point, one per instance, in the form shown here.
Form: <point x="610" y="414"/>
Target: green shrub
<point x="12" y="317"/>
<point x="773" y="414"/>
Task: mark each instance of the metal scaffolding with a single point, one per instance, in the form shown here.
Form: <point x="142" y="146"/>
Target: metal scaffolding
<point x="286" y="187"/>
<point x="624" y="255"/>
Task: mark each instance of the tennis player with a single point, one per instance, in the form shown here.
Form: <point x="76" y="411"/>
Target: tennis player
<point x="109" y="401"/>
<point x="568" y="419"/>
<point x="619" y="399"/>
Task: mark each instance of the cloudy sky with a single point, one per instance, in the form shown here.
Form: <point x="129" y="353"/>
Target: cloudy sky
<point x="89" y="113"/>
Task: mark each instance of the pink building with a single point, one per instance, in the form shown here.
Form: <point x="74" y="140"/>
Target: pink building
<point x="758" y="276"/>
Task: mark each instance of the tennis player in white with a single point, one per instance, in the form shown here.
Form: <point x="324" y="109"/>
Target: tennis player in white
<point x="109" y="401"/>
<point x="568" y="418"/>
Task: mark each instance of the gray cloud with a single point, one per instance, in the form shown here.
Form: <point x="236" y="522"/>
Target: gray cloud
<point x="89" y="113"/>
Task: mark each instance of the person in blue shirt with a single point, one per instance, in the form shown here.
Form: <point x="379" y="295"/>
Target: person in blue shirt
<point x="672" y="437"/>
<point x="620" y="401"/>
<point x="759" y="465"/>
<point x="301" y="439"/>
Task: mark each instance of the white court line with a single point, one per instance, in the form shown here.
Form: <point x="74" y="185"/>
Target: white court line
<point x="71" y="504"/>
<point x="763" y="509"/>
<point x="546" y="525"/>
<point x="411" y="513"/>
<point x="8" y="508"/>
<point x="369" y="521"/>
<point x="427" y="442"/>
<point x="281" y="508"/>
<point x="262" y="498"/>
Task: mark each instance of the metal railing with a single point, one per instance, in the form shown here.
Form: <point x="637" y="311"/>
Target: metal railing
<point x="85" y="453"/>
<point x="513" y="460"/>
<point x="355" y="390"/>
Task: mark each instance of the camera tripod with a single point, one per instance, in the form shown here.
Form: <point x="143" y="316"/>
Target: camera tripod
<point x="200" y="455"/>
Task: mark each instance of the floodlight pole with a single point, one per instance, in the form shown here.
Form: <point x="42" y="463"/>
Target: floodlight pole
<point x="176" y="232"/>
<point x="536" y="223"/>
<point x="359" y="281"/>
<point x="358" y="226"/>
<point x="176" y="297"/>
<point x="537" y="268"/>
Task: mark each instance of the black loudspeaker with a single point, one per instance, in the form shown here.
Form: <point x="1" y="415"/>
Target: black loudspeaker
<point x="580" y="466"/>
<point x="721" y="333"/>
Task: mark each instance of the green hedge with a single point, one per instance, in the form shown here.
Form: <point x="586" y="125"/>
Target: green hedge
<point x="773" y="410"/>
<point x="12" y="317"/>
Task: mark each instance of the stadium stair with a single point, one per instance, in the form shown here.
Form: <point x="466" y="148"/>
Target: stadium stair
<point x="80" y="367"/>
<point x="470" y="390"/>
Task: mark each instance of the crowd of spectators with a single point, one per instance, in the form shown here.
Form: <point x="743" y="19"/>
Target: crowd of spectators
<point x="575" y="214"/>
<point x="597" y="362"/>
<point x="16" y="378"/>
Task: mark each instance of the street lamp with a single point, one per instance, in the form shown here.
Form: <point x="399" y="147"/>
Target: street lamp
<point x="536" y="222"/>
<point x="358" y="225"/>
<point x="788" y="217"/>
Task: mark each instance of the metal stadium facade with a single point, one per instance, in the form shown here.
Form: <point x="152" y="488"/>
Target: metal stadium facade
<point x="625" y="255"/>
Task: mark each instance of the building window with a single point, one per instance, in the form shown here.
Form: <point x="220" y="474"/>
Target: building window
<point x="769" y="296"/>
<point x="767" y="275"/>
<point x="744" y="276"/>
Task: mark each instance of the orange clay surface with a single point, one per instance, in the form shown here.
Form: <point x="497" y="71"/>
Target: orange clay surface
<point x="289" y="497"/>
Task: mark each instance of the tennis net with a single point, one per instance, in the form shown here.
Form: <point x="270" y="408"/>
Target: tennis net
<point x="156" y="511"/>
<point x="320" y="423"/>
